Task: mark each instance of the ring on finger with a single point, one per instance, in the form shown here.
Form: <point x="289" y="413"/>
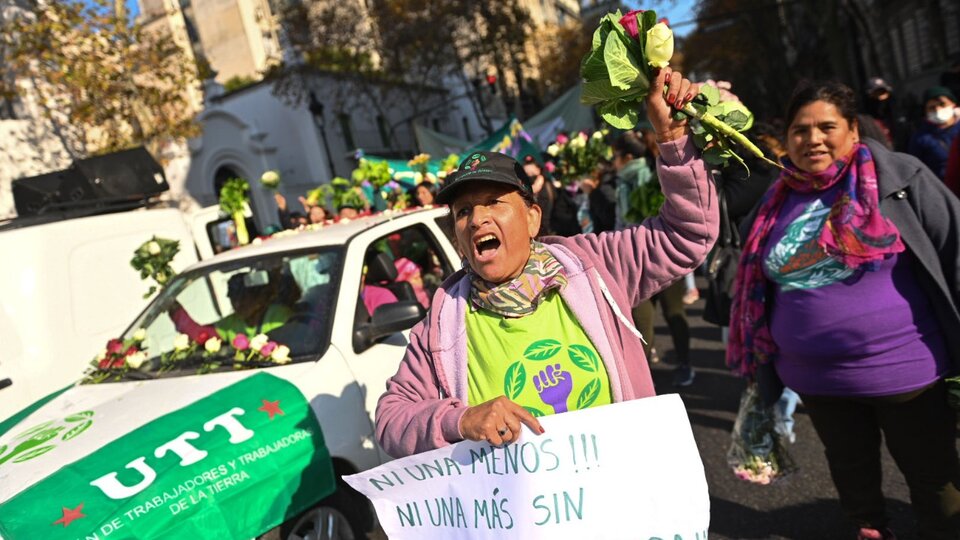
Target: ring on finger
<point x="503" y="431"/>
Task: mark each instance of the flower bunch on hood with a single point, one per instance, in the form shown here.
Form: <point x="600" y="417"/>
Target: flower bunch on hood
<point x="117" y="358"/>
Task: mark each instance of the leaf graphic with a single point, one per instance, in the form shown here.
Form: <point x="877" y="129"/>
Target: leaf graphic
<point x="542" y="349"/>
<point x="79" y="416"/>
<point x="589" y="394"/>
<point x="514" y="380"/>
<point x="30" y="454"/>
<point x="3" y="448"/>
<point x="35" y="429"/>
<point x="76" y="430"/>
<point x="584" y="358"/>
<point x="537" y="413"/>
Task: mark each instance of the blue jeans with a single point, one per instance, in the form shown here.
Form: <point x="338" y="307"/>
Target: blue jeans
<point x="783" y="410"/>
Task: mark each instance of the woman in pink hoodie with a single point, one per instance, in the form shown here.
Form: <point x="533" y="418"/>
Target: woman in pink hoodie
<point x="530" y="327"/>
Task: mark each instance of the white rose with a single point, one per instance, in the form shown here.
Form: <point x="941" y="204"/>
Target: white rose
<point x="213" y="345"/>
<point x="281" y="355"/>
<point x="553" y="150"/>
<point x="136" y="359"/>
<point x="258" y="341"/>
<point x="153" y="247"/>
<point x="578" y="142"/>
<point x="140" y="334"/>
<point x="102" y="356"/>
<point x="597" y="135"/>
<point x="181" y="342"/>
<point x="270" y="179"/>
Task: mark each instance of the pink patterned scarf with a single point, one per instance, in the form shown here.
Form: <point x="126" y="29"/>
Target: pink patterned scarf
<point x="856" y="234"/>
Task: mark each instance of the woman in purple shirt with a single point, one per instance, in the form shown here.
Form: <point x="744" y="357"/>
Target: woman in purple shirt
<point x="847" y="288"/>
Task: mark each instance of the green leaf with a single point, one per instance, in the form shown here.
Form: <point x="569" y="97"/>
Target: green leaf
<point x="620" y="65"/>
<point x="593" y="67"/>
<point x="30" y="454"/>
<point x="601" y="33"/>
<point x="620" y="114"/>
<point x="537" y="413"/>
<point x="649" y="20"/>
<point x="710" y="93"/>
<point x="588" y="395"/>
<point x="514" y="380"/>
<point x="737" y="120"/>
<point x="598" y="91"/>
<point x="716" y="155"/>
<point x="78" y="429"/>
<point x="542" y="349"/>
<point x="584" y="358"/>
<point x="35" y="429"/>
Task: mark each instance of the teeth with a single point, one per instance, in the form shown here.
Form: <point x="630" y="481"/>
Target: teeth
<point x="485" y="238"/>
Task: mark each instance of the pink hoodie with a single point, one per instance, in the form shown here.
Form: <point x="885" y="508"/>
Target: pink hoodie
<point x="607" y="275"/>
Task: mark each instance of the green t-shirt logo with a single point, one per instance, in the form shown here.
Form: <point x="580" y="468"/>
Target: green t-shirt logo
<point x="546" y="375"/>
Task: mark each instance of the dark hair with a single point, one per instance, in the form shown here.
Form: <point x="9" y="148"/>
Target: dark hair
<point x="629" y="143"/>
<point x="432" y="187"/>
<point x="837" y="94"/>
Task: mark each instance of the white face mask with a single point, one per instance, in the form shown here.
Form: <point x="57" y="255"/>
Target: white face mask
<point x="941" y="116"/>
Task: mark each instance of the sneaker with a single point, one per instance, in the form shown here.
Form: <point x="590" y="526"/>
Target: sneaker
<point x="683" y="376"/>
<point x="868" y="533"/>
<point x="691" y="296"/>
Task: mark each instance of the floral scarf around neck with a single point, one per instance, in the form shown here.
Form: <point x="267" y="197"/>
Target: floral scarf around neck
<point x="521" y="295"/>
<point x="856" y="234"/>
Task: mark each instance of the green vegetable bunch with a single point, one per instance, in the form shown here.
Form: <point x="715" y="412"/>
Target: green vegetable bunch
<point x="376" y="172"/>
<point x="233" y="199"/>
<point x="152" y="259"/>
<point x="625" y="52"/>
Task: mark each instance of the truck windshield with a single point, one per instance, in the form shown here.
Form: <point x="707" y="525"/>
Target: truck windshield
<point x="286" y="298"/>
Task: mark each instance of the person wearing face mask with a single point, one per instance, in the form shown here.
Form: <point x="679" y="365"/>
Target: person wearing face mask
<point x="535" y="327"/>
<point x="931" y="143"/>
<point x="846" y="292"/>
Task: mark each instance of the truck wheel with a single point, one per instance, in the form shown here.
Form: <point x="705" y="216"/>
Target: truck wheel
<point x="338" y="517"/>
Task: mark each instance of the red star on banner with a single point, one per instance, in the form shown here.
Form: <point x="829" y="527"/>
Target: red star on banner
<point x="70" y="515"/>
<point x="271" y="407"/>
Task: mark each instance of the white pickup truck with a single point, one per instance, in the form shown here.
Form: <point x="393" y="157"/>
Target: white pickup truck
<point x="222" y="452"/>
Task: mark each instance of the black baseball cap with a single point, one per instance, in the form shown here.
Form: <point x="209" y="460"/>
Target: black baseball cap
<point x="485" y="167"/>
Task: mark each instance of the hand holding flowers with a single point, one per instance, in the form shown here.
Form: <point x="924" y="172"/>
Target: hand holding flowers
<point x="152" y="259"/>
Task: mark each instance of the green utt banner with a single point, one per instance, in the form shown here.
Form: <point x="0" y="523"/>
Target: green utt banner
<point x="231" y="465"/>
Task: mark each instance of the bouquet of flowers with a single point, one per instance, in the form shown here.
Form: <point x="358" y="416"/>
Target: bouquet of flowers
<point x="756" y="453"/>
<point x="152" y="259"/>
<point x="577" y="156"/>
<point x="208" y="353"/>
<point x="118" y="358"/>
<point x="270" y="180"/>
<point x="448" y="165"/>
<point x="233" y="201"/>
<point x="617" y="71"/>
<point x="378" y="173"/>
<point x="395" y="196"/>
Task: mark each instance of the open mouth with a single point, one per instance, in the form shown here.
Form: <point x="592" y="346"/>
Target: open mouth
<point x="485" y="247"/>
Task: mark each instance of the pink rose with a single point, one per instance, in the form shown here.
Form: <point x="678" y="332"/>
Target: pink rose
<point x="550" y="167"/>
<point x="105" y="363"/>
<point x="114" y="346"/>
<point x="629" y="23"/>
<point x="241" y="342"/>
<point x="118" y="363"/>
<point x="131" y="350"/>
<point x="202" y="337"/>
<point x="562" y="139"/>
<point x="268" y="348"/>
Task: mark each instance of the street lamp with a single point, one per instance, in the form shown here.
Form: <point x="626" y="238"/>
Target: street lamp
<point x="316" y="110"/>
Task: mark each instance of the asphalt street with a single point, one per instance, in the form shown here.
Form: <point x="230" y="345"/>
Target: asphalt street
<point x="802" y="506"/>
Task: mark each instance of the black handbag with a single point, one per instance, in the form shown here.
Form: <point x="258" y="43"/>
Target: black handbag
<point x="722" y="268"/>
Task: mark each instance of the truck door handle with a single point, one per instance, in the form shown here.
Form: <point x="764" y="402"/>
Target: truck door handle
<point x="5" y="383"/>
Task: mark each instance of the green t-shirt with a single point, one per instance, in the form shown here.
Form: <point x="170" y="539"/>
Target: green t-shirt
<point x="543" y="361"/>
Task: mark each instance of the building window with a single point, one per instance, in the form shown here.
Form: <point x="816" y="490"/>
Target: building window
<point x="436" y="124"/>
<point x="466" y="129"/>
<point x="384" y="131"/>
<point x="347" y="129"/>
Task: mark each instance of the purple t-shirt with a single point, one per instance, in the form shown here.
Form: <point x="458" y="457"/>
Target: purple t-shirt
<point x="841" y="331"/>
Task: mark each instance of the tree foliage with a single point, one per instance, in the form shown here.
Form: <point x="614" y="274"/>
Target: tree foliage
<point x="765" y="47"/>
<point x="401" y="49"/>
<point x="106" y="81"/>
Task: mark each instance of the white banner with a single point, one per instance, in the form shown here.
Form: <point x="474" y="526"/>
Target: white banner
<point x="625" y="471"/>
